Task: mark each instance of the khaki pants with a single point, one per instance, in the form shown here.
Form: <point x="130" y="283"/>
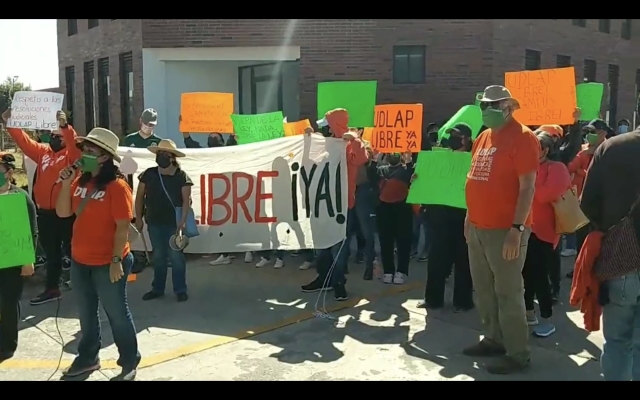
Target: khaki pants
<point x="500" y="290"/>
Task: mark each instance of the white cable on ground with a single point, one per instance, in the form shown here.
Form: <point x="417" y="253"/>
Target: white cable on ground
<point x="322" y="312"/>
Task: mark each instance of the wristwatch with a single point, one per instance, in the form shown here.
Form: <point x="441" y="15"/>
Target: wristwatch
<point x="116" y="260"/>
<point x="519" y="227"/>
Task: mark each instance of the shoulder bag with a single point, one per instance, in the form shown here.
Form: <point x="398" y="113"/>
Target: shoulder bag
<point x="190" y="227"/>
<point x="569" y="216"/>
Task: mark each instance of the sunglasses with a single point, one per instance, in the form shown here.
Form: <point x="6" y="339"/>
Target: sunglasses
<point x="490" y="104"/>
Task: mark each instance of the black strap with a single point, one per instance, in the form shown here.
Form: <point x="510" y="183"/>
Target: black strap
<point x="83" y="202"/>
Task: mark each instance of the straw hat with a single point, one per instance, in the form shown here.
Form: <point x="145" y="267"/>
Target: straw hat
<point x="167" y="145"/>
<point x="495" y="93"/>
<point x="103" y="138"/>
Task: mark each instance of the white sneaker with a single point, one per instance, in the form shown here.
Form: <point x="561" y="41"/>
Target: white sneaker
<point x="222" y="260"/>
<point x="399" y="278"/>
<point x="569" y="252"/>
<point x="263" y="261"/>
<point x="248" y="257"/>
<point x="305" y="266"/>
<point x="387" y="278"/>
<point x="278" y="264"/>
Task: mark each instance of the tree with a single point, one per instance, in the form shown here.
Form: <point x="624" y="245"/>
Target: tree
<point x="7" y="89"/>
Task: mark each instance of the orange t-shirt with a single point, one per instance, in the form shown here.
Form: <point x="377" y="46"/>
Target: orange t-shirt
<point x="498" y="159"/>
<point x="95" y="227"/>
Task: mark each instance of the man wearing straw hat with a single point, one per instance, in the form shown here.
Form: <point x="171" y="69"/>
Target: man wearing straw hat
<point x="499" y="193"/>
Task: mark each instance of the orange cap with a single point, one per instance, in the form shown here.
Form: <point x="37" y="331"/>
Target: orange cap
<point x="553" y="130"/>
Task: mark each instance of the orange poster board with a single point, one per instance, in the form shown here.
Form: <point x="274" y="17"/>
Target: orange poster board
<point x="367" y="134"/>
<point x="206" y="112"/>
<point x="296" y="128"/>
<point x="546" y="96"/>
<point x="398" y="128"/>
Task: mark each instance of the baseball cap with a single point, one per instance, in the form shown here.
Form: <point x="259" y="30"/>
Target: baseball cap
<point x="553" y="130"/>
<point x="596" y="125"/>
<point x="322" y="122"/>
<point x="461" y="128"/>
<point x="8" y="160"/>
<point x="149" y="117"/>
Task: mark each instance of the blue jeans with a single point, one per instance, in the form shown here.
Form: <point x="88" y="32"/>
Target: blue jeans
<point x="92" y="285"/>
<point x="337" y="252"/>
<point x="570" y="241"/>
<point x="308" y="255"/>
<point x="620" y="359"/>
<point x="420" y="224"/>
<point x="159" y="236"/>
<point x="363" y="210"/>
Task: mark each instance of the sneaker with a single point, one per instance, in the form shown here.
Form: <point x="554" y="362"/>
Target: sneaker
<point x="484" y="348"/>
<point x="507" y="365"/>
<point x="340" y="293"/>
<point x="45" y="297"/>
<point x="278" y="264"/>
<point x="316" y="286"/>
<point x="222" y="260"/>
<point x="75" y="370"/>
<point x="305" y="266"/>
<point x="387" y="278"/>
<point x="40" y="262"/>
<point x="399" y="278"/>
<point x="182" y="297"/>
<point x="66" y="263"/>
<point x="248" y="257"/>
<point x="126" y="375"/>
<point x="544" y="329"/>
<point x="423" y="259"/>
<point x="426" y="305"/>
<point x="532" y="320"/>
<point x="568" y="252"/>
<point x="263" y="262"/>
<point x="151" y="295"/>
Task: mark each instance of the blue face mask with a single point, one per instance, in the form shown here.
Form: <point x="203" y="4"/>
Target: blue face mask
<point x="623" y="129"/>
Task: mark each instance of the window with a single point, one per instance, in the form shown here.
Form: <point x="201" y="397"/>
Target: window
<point x="93" y="23"/>
<point x="625" y="31"/>
<point x="72" y="27"/>
<point x="126" y="93"/>
<point x="613" y="73"/>
<point x="408" y="64"/>
<point x="532" y="59"/>
<point x="563" y="61"/>
<point x="70" y="94"/>
<point x="103" y="92"/>
<point x="89" y="93"/>
<point x="590" y="69"/>
<point x="604" y="25"/>
<point x="579" y="22"/>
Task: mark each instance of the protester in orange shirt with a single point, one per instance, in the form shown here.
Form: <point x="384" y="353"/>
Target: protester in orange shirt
<point x="579" y="165"/>
<point x="552" y="181"/>
<point x="55" y="232"/>
<point x="101" y="259"/>
<point x="499" y="192"/>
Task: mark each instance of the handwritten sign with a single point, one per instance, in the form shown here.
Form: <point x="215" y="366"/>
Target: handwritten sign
<point x="397" y="128"/>
<point x="16" y="241"/>
<point x="441" y="178"/>
<point x="35" y="110"/>
<point x="296" y="128"/>
<point x="258" y="127"/>
<point x="206" y="112"/>
<point x="546" y="96"/>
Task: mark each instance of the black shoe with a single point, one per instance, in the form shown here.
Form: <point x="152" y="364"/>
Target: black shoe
<point x="77" y="370"/>
<point x="126" y="375"/>
<point x="182" y="297"/>
<point x="340" y="293"/>
<point x="151" y="295"/>
<point x="5" y="355"/>
<point x="45" y="297"/>
<point x="368" y="274"/>
<point x="316" y="286"/>
<point x="423" y="259"/>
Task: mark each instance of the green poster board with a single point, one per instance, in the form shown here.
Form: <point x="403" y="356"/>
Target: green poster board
<point x="470" y="115"/>
<point x="16" y="241"/>
<point x="258" y="127"/>
<point x="441" y="178"/>
<point x="357" y="97"/>
<point x="589" y="100"/>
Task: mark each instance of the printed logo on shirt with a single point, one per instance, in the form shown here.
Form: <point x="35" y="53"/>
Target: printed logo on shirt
<point x="47" y="161"/>
<point x="481" y="164"/>
<point x="82" y="193"/>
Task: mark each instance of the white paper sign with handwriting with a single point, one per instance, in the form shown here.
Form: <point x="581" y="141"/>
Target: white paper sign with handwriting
<point x="35" y="110"/>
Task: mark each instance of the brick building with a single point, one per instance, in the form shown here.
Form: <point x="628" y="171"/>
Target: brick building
<point x="110" y="70"/>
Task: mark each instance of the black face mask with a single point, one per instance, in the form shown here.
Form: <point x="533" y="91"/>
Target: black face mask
<point x="56" y="143"/>
<point x="214" y="142"/>
<point x="163" y="160"/>
<point x="455" y="142"/>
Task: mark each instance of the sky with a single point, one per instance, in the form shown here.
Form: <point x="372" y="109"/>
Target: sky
<point x="30" y="52"/>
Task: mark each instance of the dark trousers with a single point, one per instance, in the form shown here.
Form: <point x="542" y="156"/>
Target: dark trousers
<point x="540" y="257"/>
<point x="395" y="223"/>
<point x="55" y="236"/>
<point x="555" y="270"/>
<point x="10" y="294"/>
<point x="448" y="251"/>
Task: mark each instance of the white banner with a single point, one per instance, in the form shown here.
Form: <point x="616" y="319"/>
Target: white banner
<point x="35" y="110"/>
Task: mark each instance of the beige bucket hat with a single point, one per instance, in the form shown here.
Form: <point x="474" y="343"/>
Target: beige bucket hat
<point x="495" y="93"/>
<point x="103" y="138"/>
<point x="167" y="145"/>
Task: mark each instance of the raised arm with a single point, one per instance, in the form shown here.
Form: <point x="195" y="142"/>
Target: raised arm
<point x="69" y="137"/>
<point x="29" y="147"/>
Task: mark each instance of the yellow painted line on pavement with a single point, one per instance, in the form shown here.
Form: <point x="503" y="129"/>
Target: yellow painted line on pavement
<point x="184" y="351"/>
